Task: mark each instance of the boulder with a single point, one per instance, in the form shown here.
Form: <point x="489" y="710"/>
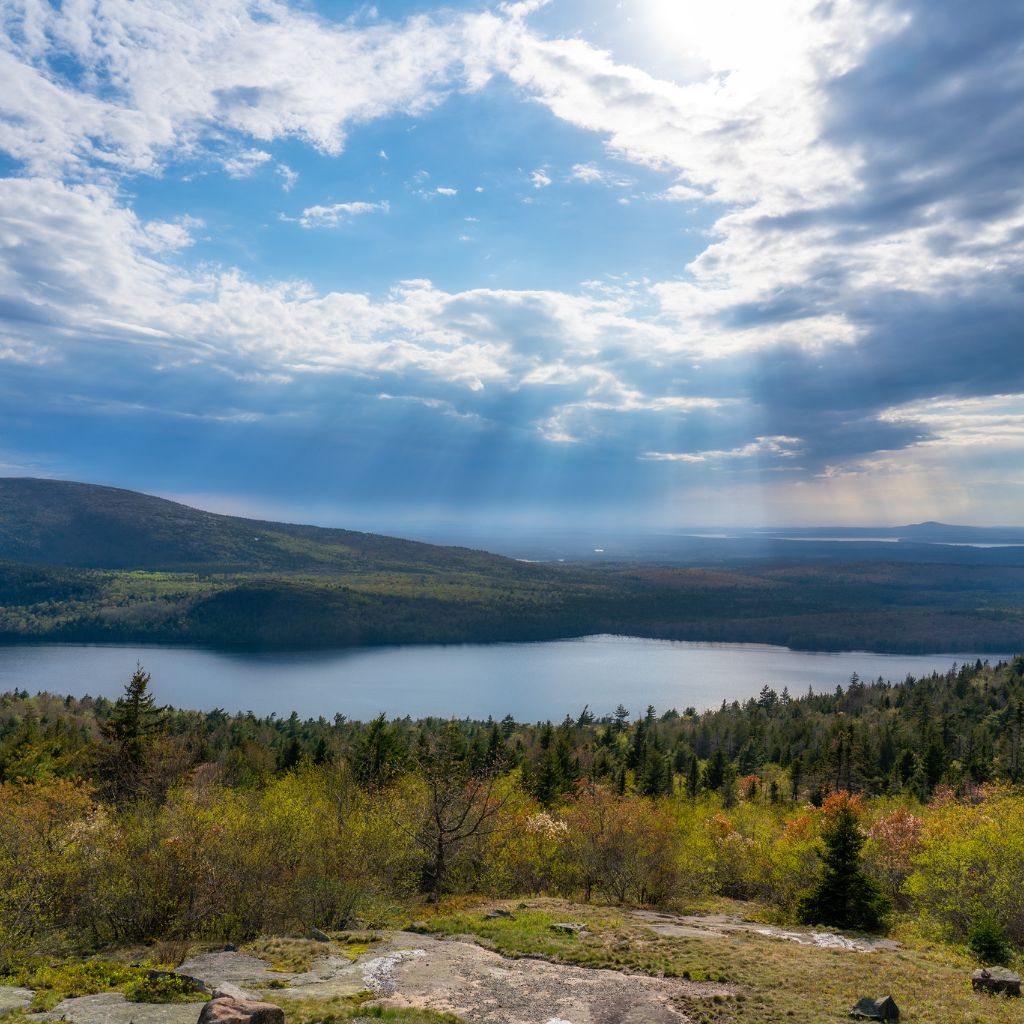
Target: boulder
<point x="570" y="928"/>
<point x="504" y="915"/>
<point x="996" y="979"/>
<point x="876" y="1009"/>
<point x="317" y="935"/>
<point x="240" y="1011"/>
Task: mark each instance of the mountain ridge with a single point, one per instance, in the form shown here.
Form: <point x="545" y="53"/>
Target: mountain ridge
<point x="94" y="526"/>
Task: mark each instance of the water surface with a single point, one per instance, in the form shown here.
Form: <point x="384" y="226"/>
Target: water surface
<point x="530" y="681"/>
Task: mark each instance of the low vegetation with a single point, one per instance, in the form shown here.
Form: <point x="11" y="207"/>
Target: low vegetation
<point x="874" y="806"/>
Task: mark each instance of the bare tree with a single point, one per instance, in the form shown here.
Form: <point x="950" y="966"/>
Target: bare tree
<point x="462" y="803"/>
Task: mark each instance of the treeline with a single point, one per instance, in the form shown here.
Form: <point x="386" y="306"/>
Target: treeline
<point x="960" y="729"/>
<point x="878" y="607"/>
<point x="122" y="821"/>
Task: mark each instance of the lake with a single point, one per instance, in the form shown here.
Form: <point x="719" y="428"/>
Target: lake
<point x="530" y="681"/>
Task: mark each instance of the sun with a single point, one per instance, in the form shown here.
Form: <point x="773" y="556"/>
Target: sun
<point x="757" y="40"/>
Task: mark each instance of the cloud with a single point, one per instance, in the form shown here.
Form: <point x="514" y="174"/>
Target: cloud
<point x="150" y="79"/>
<point x="288" y="176"/>
<point x="855" y="309"/>
<point x="783" y="447"/>
<point x="243" y="164"/>
<point x="338" y="213"/>
<point x="587" y="173"/>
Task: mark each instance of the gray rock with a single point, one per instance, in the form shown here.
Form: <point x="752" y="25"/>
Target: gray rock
<point x="503" y="915"/>
<point x="13" y="997"/>
<point x="876" y="1009"/>
<point x="996" y="979"/>
<point x="225" y="990"/>
<point x="419" y="926"/>
<point x="570" y="927"/>
<point x="113" y="1008"/>
<point x="240" y="1011"/>
<point x="238" y="968"/>
<point x="317" y="935"/>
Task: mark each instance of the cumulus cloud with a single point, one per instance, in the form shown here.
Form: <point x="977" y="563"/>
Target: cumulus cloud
<point x="858" y="301"/>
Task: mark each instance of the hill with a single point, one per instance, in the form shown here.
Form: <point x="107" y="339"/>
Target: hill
<point x="84" y="563"/>
<point x="87" y="526"/>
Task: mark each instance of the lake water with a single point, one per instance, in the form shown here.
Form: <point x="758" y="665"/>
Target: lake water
<point x="529" y="681"/>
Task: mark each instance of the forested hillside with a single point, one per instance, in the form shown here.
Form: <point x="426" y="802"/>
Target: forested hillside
<point x="96" y="564"/>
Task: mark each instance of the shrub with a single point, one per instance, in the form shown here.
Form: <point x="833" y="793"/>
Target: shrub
<point x="987" y="941"/>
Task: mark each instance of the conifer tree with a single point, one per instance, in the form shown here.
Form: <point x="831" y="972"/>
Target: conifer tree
<point x="844" y="896"/>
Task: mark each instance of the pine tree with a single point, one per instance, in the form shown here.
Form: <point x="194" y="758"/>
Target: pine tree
<point x="844" y="897"/>
<point x="130" y="731"/>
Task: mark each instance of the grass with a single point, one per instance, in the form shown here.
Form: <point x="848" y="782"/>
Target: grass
<point x="53" y="983"/>
<point x="772" y="980"/>
<point x="292" y="955"/>
<point x="297" y="955"/>
<point x="354" y="1008"/>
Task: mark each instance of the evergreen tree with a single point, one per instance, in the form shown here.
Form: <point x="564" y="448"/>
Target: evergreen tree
<point x="378" y="755"/>
<point x="130" y="731"/>
<point x="844" y="897"/>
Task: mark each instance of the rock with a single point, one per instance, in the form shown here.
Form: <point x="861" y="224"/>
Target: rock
<point x="570" y="927"/>
<point x="318" y="936"/>
<point x="13" y="997"/>
<point x="876" y="1009"/>
<point x="240" y="1011"/>
<point x="225" y="990"/>
<point x="230" y="948"/>
<point x="996" y="979"/>
<point x="419" y="926"/>
<point x="503" y="915"/>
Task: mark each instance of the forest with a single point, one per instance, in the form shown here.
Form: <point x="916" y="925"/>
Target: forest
<point x="125" y="820"/>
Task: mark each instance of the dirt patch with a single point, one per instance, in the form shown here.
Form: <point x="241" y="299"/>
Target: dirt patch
<point x="482" y="987"/>
<point x="706" y="925"/>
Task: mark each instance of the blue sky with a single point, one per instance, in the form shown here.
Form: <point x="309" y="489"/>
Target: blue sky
<point x="616" y="262"/>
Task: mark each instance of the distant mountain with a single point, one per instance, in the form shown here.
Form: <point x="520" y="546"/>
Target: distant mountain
<point x="56" y="522"/>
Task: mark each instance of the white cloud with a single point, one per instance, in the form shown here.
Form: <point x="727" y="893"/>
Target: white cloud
<point x="540" y="178"/>
<point x="338" y="213"/>
<point x="587" y="173"/>
<point x="156" y="75"/>
<point x="443" y="191"/>
<point x="288" y="177"/>
<point x="780" y="446"/>
<point x="243" y="164"/>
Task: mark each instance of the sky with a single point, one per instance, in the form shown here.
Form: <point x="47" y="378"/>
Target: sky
<point x="638" y="263"/>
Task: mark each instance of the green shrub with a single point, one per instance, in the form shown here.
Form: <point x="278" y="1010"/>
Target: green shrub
<point x="987" y="941"/>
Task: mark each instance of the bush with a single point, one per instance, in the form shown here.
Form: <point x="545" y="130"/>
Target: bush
<point x="987" y="941"/>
